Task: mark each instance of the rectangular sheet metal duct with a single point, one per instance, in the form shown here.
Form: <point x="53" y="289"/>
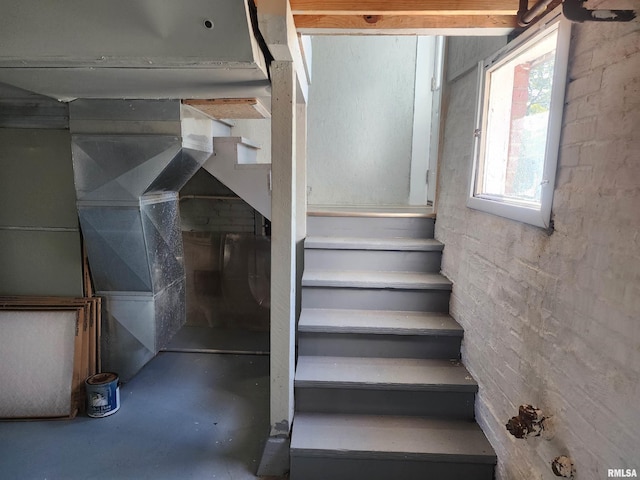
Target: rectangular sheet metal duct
<point x="126" y="185"/>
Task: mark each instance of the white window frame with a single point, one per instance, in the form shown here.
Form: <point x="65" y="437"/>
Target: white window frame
<point x="509" y="208"/>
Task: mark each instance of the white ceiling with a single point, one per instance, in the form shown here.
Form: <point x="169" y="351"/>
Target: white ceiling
<point x="124" y="49"/>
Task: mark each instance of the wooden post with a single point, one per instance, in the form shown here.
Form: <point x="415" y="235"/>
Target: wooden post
<point x="283" y="244"/>
<point x="289" y="85"/>
<point x="275" y="457"/>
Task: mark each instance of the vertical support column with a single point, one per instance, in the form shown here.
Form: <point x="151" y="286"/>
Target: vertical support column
<point x="288" y="210"/>
<point x="275" y="457"/>
<point x="283" y="227"/>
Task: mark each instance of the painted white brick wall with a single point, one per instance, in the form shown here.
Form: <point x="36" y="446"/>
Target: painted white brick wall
<point x="554" y="320"/>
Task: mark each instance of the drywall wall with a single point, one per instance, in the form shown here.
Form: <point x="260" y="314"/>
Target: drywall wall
<point x="39" y="236"/>
<point x="552" y="320"/>
<point x="360" y="119"/>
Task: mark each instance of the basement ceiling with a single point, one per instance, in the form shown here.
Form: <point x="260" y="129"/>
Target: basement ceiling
<point x="443" y="17"/>
<point x="196" y="49"/>
<point x="124" y="49"/>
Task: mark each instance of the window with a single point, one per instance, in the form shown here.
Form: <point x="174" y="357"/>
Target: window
<point x="518" y="122"/>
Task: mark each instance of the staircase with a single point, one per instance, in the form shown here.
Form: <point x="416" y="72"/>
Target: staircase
<point x="235" y="163"/>
<point x="380" y="391"/>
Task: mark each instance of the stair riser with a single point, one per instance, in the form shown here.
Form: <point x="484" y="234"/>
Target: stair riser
<point x="323" y="468"/>
<point x="376" y="299"/>
<point x="452" y="405"/>
<point x="368" y="227"/>
<point x="372" y="260"/>
<point x="384" y="346"/>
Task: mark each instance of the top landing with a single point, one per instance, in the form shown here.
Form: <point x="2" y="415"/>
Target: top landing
<point x="370" y="222"/>
<point x="380" y="211"/>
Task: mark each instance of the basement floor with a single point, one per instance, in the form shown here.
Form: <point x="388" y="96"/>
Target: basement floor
<point x="197" y="339"/>
<point x="184" y="416"/>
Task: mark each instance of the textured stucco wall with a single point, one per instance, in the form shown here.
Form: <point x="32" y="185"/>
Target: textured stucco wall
<point x="360" y="117"/>
<point x="554" y="320"/>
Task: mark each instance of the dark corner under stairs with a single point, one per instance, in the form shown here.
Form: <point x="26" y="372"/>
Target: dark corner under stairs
<point x="380" y="391"/>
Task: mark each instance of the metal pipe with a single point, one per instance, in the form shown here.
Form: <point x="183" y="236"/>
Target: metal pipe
<point x="574" y="11"/>
<point x="527" y="16"/>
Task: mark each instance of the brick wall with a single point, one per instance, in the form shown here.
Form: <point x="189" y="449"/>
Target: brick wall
<point x="554" y="320"/>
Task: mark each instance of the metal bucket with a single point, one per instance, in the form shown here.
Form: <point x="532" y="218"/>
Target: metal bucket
<point x="103" y="394"/>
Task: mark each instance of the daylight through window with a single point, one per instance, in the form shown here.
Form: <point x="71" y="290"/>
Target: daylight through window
<point x="518" y="126"/>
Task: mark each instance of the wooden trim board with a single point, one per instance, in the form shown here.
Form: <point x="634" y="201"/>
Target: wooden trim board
<point x="231" y="108"/>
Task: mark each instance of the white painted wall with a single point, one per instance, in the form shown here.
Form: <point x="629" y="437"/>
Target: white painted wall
<point x="259" y="132"/>
<point x="360" y="120"/>
<point x="552" y="320"/>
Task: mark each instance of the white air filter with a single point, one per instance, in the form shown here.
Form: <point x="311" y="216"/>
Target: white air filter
<point x="37" y="352"/>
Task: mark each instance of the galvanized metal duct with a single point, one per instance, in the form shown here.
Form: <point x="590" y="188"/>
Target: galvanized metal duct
<point x="130" y="159"/>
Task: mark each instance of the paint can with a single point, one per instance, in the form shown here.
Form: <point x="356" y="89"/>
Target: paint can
<point x="103" y="394"/>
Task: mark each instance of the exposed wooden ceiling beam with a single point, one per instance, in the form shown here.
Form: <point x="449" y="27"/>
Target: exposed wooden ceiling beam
<point x="404" y="7"/>
<point x="317" y="23"/>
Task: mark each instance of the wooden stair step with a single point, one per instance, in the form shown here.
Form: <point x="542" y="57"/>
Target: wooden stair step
<point x="356" y="243"/>
<point x="375" y="280"/>
<point x="383" y="373"/>
<point x="389" y="437"/>
<point x="370" y="225"/>
<point x="377" y="322"/>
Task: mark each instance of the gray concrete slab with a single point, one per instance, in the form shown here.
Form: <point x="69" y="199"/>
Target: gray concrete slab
<point x="219" y="340"/>
<point x="184" y="416"/>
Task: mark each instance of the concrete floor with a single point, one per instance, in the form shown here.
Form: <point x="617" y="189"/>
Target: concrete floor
<point x="184" y="416"/>
<point x="217" y="339"/>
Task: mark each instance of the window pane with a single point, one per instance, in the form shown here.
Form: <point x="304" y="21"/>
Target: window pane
<point x="519" y="93"/>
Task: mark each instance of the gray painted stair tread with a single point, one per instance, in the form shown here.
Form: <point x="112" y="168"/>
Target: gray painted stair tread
<point x="383" y="373"/>
<point x="395" y="280"/>
<point x="326" y="320"/>
<point x="355" y="243"/>
<point x="372" y="436"/>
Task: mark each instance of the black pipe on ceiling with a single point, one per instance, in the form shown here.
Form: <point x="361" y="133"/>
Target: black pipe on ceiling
<point x="574" y="11"/>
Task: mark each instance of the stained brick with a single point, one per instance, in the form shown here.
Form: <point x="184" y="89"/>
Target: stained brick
<point x="579" y="131"/>
<point x="581" y="86"/>
<point x="553" y="320"/>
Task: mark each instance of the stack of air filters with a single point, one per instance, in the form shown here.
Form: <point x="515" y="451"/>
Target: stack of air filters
<point x="48" y="347"/>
